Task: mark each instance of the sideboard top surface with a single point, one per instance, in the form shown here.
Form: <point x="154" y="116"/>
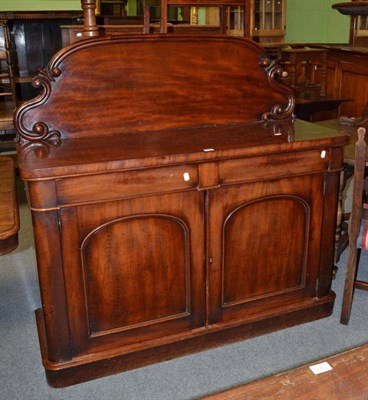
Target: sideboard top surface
<point x="170" y="147"/>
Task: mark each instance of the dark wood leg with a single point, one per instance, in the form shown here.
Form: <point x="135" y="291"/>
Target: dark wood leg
<point x="163" y="27"/>
<point x="349" y="285"/>
<point x="341" y="234"/>
<point x="146" y="18"/>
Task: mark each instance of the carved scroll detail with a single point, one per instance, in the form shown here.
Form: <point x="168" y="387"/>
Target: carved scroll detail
<point x="39" y="149"/>
<point x="278" y="111"/>
<point x="40" y="130"/>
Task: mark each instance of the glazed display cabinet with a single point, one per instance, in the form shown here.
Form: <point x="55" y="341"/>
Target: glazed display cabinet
<point x="268" y="20"/>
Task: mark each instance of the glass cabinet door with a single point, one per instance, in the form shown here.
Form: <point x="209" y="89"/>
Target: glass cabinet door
<point x="257" y="14"/>
<point x="363" y="25"/>
<point x="360" y="32"/>
<point x="268" y="17"/>
<point x="278" y="14"/>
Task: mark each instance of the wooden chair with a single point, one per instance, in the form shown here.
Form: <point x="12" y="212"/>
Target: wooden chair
<point x="9" y="212"/>
<point x="8" y="95"/>
<point x="7" y="81"/>
<point x="358" y="228"/>
<point x="222" y="4"/>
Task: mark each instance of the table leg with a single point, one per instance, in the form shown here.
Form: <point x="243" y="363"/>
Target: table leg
<point x="341" y="233"/>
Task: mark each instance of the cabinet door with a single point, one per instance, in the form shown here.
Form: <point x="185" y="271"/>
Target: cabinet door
<point x="263" y="247"/>
<point x="268" y="19"/>
<point x="134" y="270"/>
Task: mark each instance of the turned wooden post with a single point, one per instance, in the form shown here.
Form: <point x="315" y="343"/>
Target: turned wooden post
<point x="9" y="59"/>
<point x="146" y="17"/>
<point x="90" y="27"/>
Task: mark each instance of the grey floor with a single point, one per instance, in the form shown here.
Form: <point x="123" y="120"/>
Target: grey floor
<point x="190" y="377"/>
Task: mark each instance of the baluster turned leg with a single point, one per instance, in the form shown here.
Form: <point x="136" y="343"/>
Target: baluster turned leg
<point x="90" y="27"/>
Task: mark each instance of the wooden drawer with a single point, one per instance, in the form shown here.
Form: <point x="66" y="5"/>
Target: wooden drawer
<point x="276" y="166"/>
<point x="119" y="185"/>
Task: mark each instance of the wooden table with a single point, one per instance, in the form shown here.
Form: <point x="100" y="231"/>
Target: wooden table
<point x="306" y="107"/>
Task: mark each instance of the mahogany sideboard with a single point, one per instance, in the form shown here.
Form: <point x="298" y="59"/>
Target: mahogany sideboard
<point x="176" y="203"/>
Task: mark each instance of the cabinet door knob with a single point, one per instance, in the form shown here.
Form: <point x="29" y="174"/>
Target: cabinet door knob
<point x="323" y="154"/>
<point x="186" y="176"/>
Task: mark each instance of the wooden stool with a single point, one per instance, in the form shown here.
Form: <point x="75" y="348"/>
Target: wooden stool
<point x="9" y="213"/>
